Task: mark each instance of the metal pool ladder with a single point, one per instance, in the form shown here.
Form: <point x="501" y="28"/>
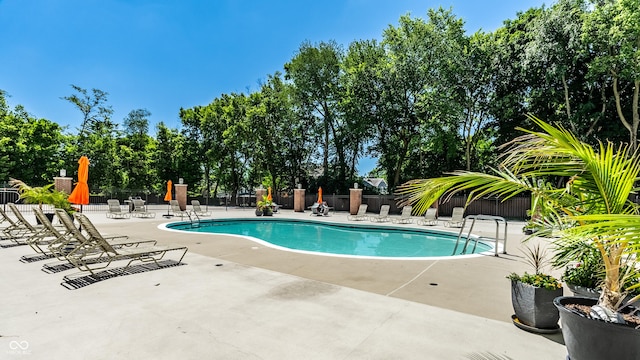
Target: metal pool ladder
<point x="195" y="223"/>
<point x="497" y="219"/>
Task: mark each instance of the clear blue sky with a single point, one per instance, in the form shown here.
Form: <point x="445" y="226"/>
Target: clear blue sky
<point x="164" y="55"/>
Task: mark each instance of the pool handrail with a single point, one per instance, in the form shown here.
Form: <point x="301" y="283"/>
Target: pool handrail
<point x="497" y="219"/>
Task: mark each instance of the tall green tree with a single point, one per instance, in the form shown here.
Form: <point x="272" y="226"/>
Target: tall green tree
<point x="417" y="88"/>
<point x="473" y="80"/>
<point x="95" y="112"/>
<point x="28" y="140"/>
<point x="315" y="72"/>
<point x="165" y="157"/>
<point x="362" y="103"/>
<point x="272" y="121"/>
<point x="613" y="31"/>
<point x="136" y="151"/>
<point x="513" y="81"/>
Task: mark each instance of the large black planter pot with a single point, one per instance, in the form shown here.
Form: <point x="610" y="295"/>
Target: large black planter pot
<point x="534" y="306"/>
<point x="588" y="339"/>
<point x="581" y="291"/>
<point x="48" y="215"/>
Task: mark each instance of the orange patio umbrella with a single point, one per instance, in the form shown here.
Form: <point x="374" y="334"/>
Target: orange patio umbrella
<point x="320" y="195"/>
<point x="167" y="196"/>
<point x="80" y="194"/>
<point x="269" y="194"/>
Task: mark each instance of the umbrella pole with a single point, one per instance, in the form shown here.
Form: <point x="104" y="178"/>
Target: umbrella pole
<point x="80" y="227"/>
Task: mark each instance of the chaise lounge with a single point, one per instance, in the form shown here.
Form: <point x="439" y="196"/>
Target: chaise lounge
<point x="108" y="253"/>
<point x="361" y="214"/>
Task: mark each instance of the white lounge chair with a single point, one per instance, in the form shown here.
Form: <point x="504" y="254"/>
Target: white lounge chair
<point x="457" y="217"/>
<point x="177" y="211"/>
<point x="430" y="217"/>
<point x="115" y="211"/>
<point x="405" y="216"/>
<point x="84" y="257"/>
<point x="140" y="210"/>
<point x="361" y="215"/>
<point x="195" y="204"/>
<point x="383" y="216"/>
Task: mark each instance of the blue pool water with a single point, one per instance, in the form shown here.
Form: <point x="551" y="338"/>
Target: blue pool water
<point x="339" y="239"/>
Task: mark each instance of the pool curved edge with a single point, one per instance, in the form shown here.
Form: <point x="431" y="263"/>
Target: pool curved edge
<point x="164" y="226"/>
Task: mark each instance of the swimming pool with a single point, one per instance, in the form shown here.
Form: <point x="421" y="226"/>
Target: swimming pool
<point x="338" y="239"/>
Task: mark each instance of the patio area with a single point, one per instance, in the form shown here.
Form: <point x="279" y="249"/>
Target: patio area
<point x="236" y="299"/>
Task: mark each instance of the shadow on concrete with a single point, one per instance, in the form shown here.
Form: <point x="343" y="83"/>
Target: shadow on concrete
<point x="36" y="257"/>
<point x="79" y="280"/>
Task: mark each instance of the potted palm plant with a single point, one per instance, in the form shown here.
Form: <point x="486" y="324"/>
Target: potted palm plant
<point x="591" y="206"/>
<point x="266" y="206"/>
<point x="42" y="195"/>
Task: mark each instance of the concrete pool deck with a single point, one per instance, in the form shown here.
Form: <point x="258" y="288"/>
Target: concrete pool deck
<point x="237" y="299"/>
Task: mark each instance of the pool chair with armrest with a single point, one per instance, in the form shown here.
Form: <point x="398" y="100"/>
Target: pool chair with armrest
<point x="430" y="217"/>
<point x="457" y="217"/>
<point x="115" y="211"/>
<point x="108" y="253"/>
<point x="197" y="209"/>
<point x="383" y="216"/>
<point x="361" y="214"/>
<point x="177" y="211"/>
<point x="405" y="216"/>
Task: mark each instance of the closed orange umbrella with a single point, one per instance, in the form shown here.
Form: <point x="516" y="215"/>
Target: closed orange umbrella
<point x="269" y="195"/>
<point x="320" y="195"/>
<point x="80" y="194"/>
<point x="168" y="196"/>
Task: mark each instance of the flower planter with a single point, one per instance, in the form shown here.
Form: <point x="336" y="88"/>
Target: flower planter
<point x="533" y="306"/>
<point x="588" y="339"/>
<point x="267" y="211"/>
<point x="258" y="212"/>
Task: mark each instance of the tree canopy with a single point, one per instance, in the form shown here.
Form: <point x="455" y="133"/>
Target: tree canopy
<point x="426" y="99"/>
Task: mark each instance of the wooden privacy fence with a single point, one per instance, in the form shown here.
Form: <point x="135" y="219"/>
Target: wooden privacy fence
<point x="513" y="208"/>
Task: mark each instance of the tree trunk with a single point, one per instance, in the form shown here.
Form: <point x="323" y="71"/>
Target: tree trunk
<point x="566" y="96"/>
<point x="401" y="157"/>
<point x="633" y="129"/>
